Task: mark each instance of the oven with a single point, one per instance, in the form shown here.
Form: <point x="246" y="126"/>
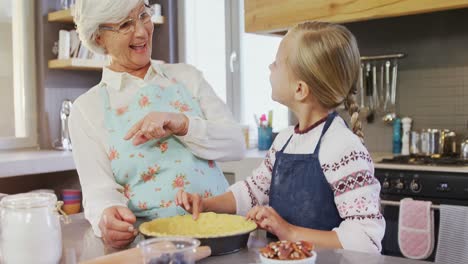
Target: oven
<point x="436" y="186"/>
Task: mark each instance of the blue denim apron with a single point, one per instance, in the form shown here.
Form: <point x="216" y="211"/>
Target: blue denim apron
<point x="299" y="191"/>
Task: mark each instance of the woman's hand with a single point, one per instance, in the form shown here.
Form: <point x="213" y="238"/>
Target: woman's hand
<point x="267" y="218"/>
<point x="117" y="226"/>
<point x="192" y="203"/>
<point x="158" y="125"/>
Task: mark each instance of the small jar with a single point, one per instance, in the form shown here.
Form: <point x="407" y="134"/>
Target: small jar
<point x="30" y="229"/>
<point x="166" y="250"/>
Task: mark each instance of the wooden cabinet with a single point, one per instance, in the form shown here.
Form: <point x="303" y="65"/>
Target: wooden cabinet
<point x="272" y="16"/>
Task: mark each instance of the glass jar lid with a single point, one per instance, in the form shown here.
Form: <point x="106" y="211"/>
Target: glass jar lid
<point x="28" y="200"/>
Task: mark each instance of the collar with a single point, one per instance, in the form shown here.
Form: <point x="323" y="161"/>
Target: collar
<point x="314" y="125"/>
<point x="115" y="79"/>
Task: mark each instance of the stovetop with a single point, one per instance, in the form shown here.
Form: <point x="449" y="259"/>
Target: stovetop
<point x="427" y="160"/>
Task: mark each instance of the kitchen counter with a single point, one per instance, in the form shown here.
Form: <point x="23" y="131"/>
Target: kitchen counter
<point x="32" y="161"/>
<point x="80" y="244"/>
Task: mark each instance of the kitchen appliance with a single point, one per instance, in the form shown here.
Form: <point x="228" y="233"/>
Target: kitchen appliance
<point x="439" y="187"/>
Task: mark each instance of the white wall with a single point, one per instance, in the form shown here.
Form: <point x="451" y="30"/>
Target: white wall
<point x="7" y="122"/>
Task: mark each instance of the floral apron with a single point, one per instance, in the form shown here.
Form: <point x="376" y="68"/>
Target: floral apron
<point x="152" y="173"/>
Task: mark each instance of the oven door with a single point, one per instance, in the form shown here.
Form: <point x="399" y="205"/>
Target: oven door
<point x="390" y="241"/>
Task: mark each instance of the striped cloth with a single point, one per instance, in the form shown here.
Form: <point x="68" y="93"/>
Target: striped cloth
<point x="453" y="235"/>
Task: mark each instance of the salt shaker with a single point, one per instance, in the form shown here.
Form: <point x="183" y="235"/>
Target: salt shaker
<point x="31" y="231"/>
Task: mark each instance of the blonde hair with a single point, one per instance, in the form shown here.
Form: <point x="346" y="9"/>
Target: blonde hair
<point x="327" y="59"/>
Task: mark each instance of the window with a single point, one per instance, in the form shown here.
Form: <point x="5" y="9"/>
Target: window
<point x="235" y="63"/>
<point x="17" y="76"/>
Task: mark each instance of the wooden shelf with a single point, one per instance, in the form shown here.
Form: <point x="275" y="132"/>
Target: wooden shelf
<point x="65" y="16"/>
<point x="77" y="64"/>
<point x="274" y="16"/>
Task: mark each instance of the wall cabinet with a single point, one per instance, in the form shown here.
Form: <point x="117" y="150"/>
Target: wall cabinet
<point x="275" y="16"/>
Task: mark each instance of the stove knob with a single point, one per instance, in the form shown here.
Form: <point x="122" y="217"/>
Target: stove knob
<point x="415" y="186"/>
<point x="386" y="183"/>
<point x="400" y="185"/>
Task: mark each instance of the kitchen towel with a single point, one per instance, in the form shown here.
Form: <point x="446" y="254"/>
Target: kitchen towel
<point x="416" y="229"/>
<point x="452" y="246"/>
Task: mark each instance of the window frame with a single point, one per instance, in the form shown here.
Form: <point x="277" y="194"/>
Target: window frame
<point x="24" y="77"/>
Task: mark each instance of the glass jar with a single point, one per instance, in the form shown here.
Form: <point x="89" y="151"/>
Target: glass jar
<point x="166" y="250"/>
<point x="30" y="230"/>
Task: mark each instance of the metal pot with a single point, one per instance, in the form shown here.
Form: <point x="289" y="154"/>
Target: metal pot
<point x="434" y="142"/>
<point x="448" y="142"/>
<point x="464" y="149"/>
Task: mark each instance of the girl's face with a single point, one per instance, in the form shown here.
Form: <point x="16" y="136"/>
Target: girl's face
<point x="131" y="50"/>
<point x="281" y="79"/>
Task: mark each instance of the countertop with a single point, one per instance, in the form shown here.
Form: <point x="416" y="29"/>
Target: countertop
<point x="80" y="244"/>
<point x="33" y="161"/>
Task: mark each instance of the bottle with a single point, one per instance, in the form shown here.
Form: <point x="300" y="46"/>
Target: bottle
<point x="397" y="136"/>
<point x="406" y="121"/>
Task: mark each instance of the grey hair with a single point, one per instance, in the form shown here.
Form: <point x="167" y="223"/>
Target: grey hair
<point x="89" y="14"/>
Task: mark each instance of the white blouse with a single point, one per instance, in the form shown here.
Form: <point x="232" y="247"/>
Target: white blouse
<point x="349" y="170"/>
<point x="216" y="137"/>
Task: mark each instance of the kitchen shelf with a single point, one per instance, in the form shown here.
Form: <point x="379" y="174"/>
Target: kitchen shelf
<point x="77" y="64"/>
<point x="64" y="16"/>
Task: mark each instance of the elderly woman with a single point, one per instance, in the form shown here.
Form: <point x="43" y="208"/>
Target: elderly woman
<point x="146" y="130"/>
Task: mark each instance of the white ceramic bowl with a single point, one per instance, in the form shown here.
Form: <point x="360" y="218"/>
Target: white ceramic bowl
<point x="310" y="260"/>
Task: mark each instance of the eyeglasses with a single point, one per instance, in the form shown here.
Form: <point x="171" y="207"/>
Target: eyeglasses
<point x="128" y="25"/>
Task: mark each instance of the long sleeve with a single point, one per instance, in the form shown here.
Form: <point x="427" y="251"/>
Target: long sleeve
<point x="356" y="191"/>
<point x="217" y="136"/>
<point x="99" y="188"/>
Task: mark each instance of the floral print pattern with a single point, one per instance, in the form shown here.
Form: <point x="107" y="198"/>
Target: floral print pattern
<point x="146" y="184"/>
<point x="113" y="154"/>
<point x="121" y="110"/>
<point x="163" y="146"/>
<point x="128" y="191"/>
<point x="144" y="101"/>
<point x="180" y="181"/>
<point x="142" y="205"/>
<point x="165" y="204"/>
<point x="150" y="174"/>
<point x="181" y="107"/>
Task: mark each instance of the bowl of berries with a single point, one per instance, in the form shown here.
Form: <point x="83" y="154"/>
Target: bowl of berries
<point x="287" y="252"/>
<point x="169" y="250"/>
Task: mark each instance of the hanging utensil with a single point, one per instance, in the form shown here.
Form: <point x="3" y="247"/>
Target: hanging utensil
<point x="362" y="95"/>
<point x="390" y="100"/>
<point x="369" y="94"/>
<point x="375" y="93"/>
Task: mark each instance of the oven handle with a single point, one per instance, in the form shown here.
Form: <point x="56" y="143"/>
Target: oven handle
<point x="396" y="203"/>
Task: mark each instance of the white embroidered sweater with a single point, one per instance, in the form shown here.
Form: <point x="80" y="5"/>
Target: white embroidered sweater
<point x="348" y="169"/>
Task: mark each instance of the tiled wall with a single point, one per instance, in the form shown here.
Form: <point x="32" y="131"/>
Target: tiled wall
<point x="433" y="78"/>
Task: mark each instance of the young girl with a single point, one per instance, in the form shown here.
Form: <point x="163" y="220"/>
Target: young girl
<point x="317" y="181"/>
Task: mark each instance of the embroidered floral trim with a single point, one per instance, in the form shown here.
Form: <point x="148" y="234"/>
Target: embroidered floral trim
<point x="181" y="107"/>
<point x="353" y="156"/>
<point x="353" y="181"/>
<point x="150" y="174"/>
<point x="144" y="101"/>
<point x="113" y="154"/>
<point x="267" y="160"/>
<point x="359" y="206"/>
<point x="253" y="199"/>
<point x="364" y="217"/>
<point x="265" y="192"/>
<point x="128" y="191"/>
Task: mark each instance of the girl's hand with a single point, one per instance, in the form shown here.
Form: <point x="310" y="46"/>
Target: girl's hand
<point x="192" y="203"/>
<point x="267" y="218"/>
<point x="158" y="125"/>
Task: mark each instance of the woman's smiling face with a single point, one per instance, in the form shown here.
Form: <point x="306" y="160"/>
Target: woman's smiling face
<point x="129" y="50"/>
